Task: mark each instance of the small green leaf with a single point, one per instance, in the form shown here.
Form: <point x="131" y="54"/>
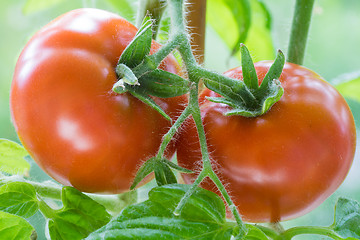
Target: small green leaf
<point x="18" y="198"/>
<point x="347" y="218"/>
<point x="15" y="227"/>
<point x="246" y="21"/>
<point x="33" y="6"/>
<point x="150" y="102"/>
<point x="202" y="218"/>
<point x="259" y="40"/>
<point x="255" y="233"/>
<point x="235" y="15"/>
<point x="12" y="158"/>
<point x="163" y="84"/>
<point x="125" y="8"/>
<point x="79" y="216"/>
<point x="139" y="47"/>
<point x="145" y="169"/>
<point x="163" y="174"/>
<point x="349" y="85"/>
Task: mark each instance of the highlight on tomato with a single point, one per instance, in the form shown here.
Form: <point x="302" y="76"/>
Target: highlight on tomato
<point x="284" y="163"/>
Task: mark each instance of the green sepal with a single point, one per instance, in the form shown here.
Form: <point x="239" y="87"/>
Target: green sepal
<point x="275" y="92"/>
<point x="222" y="100"/>
<point x="163" y="174"/>
<point x="234" y="92"/>
<point x="145" y="169"/>
<point x="161" y="168"/>
<point x="247" y="98"/>
<point x="150" y="102"/>
<point x="273" y="74"/>
<point x="139" y="47"/>
<point x="163" y="84"/>
<point x="249" y="72"/>
<point x="126" y="77"/>
<point x="177" y="167"/>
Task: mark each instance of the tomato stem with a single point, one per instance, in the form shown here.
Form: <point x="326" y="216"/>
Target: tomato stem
<point x="170" y="134"/>
<point x="196" y="25"/>
<point x="153" y="7"/>
<point x="207" y="170"/>
<point x="46" y="211"/>
<point x="299" y="31"/>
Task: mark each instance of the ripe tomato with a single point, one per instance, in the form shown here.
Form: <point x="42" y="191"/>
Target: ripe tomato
<point x="284" y="163"/>
<point x="67" y="117"/>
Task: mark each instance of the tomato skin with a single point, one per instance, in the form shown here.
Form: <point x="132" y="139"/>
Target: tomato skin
<point x="284" y="163"/>
<point x="72" y="124"/>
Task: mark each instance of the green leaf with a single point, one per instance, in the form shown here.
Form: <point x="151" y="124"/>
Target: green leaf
<point x="255" y="233"/>
<point x="246" y="21"/>
<point x="202" y="218"/>
<point x="12" y="158"/>
<point x="235" y="15"/>
<point x="125" y="8"/>
<point x="349" y="85"/>
<point x="18" y="198"/>
<point x="14" y="227"/>
<point x="347" y="218"/>
<point x="79" y="216"/>
<point x="355" y="109"/>
<point x="259" y="41"/>
<point x="139" y="47"/>
<point x="163" y="84"/>
<point x="33" y="6"/>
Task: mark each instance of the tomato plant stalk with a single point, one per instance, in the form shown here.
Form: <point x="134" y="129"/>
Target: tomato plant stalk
<point x="196" y="26"/>
<point x="299" y="31"/>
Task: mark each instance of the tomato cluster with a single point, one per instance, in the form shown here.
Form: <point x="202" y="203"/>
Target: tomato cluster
<point x="67" y="117"/>
<point x="284" y="163"/>
<point x="276" y="166"/>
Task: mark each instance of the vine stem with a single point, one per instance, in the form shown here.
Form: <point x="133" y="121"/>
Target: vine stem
<point x="155" y="8"/>
<point x="170" y="134"/>
<point x="196" y="25"/>
<point x="192" y="67"/>
<point x="207" y="170"/>
<point x="299" y="31"/>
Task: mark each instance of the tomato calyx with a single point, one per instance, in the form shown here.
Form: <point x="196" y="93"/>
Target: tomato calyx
<point x="247" y="98"/>
<point x="162" y="169"/>
<point x="139" y="75"/>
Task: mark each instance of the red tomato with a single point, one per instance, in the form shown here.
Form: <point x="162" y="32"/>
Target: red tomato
<point x="284" y="163"/>
<point x="67" y="117"/>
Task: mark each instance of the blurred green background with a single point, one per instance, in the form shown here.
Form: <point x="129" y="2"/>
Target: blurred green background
<point x="333" y="50"/>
